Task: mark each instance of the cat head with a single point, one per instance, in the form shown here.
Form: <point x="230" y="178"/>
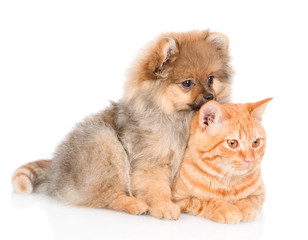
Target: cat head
<point x="228" y="136"/>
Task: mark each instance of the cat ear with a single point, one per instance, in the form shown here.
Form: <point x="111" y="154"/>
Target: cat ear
<point x="209" y="114"/>
<point x="220" y="40"/>
<point x="257" y="109"/>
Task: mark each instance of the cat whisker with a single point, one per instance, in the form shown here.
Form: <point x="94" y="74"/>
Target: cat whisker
<point x="226" y="168"/>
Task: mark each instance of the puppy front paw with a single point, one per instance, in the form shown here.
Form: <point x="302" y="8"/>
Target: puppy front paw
<point x="137" y="208"/>
<point x="165" y="210"/>
<point x="129" y="205"/>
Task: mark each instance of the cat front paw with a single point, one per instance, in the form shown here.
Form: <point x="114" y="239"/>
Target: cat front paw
<point x="226" y="213"/>
<point x="248" y="210"/>
<point x="165" y="210"/>
<point x="249" y="213"/>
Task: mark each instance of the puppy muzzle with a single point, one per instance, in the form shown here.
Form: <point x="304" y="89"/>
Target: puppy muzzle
<point x="206" y="98"/>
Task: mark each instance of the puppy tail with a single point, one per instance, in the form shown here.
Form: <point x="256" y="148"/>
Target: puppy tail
<point x="29" y="177"/>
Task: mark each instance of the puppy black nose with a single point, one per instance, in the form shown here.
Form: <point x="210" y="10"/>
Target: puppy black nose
<point x="208" y="97"/>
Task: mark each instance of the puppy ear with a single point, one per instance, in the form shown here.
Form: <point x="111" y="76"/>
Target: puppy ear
<point x="166" y="50"/>
<point x="160" y="57"/>
<point x="257" y="109"/>
<point x="220" y="40"/>
<point x="210" y="114"/>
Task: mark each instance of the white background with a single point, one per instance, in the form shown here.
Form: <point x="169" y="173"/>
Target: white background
<point x="62" y="60"/>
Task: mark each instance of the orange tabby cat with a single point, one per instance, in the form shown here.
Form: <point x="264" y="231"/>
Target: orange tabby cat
<point x="220" y="177"/>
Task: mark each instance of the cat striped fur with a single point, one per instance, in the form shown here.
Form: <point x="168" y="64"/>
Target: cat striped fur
<point x="27" y="177"/>
<point x="220" y="176"/>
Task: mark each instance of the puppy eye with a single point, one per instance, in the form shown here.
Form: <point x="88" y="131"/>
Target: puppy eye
<point x="188" y="84"/>
<point x="210" y="80"/>
<point x="232" y="143"/>
<point x="256" y="143"/>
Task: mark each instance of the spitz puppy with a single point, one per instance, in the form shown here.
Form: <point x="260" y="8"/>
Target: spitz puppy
<point x="126" y="157"/>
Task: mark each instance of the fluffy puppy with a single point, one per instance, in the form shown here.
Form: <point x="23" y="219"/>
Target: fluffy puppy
<point x="126" y="157"/>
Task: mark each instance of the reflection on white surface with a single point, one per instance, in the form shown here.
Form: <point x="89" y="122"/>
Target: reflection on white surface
<point x="67" y="222"/>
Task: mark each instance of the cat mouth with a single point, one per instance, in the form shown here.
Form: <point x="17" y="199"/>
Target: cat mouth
<point x="241" y="166"/>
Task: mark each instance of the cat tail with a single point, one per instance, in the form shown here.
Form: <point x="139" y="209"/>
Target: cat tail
<point x="31" y="177"/>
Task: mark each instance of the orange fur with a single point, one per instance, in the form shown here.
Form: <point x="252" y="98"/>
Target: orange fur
<point x="218" y="181"/>
<point x="25" y="177"/>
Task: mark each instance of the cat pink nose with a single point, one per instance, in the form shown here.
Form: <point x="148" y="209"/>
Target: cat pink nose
<point x="249" y="160"/>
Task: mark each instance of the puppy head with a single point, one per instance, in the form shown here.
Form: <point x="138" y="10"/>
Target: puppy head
<point x="181" y="71"/>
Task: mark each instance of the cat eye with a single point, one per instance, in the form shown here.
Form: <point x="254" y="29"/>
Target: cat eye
<point x="210" y="80"/>
<point x="256" y="143"/>
<point x="232" y="143"/>
<point x="188" y="84"/>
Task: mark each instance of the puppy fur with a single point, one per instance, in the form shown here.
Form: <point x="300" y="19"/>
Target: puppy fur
<point x="126" y="157"/>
